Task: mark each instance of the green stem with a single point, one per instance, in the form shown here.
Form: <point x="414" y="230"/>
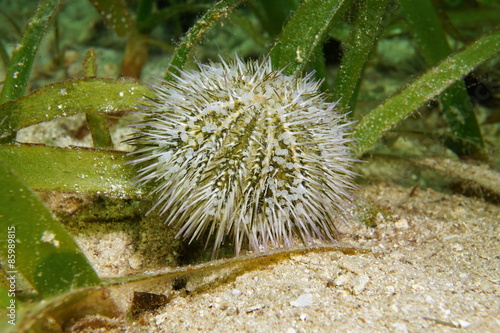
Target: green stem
<point x="116" y="15"/>
<point x="304" y="32"/>
<point x="367" y="30"/>
<point x="144" y="10"/>
<point x="4" y="55"/>
<point x="99" y="130"/>
<point x="193" y="36"/>
<point x="96" y="122"/>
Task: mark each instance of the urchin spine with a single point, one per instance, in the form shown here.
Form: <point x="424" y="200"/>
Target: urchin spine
<point x="240" y="149"/>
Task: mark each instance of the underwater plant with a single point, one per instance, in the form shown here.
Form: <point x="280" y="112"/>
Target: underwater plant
<point x="310" y="165"/>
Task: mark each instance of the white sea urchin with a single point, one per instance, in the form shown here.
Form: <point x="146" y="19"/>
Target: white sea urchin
<point x="243" y="150"/>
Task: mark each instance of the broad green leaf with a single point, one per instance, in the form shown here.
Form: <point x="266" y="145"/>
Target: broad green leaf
<point x="19" y="71"/>
<point x="71" y="169"/>
<point x="70" y="97"/>
<point x="304" y="32"/>
<point x="432" y="83"/>
<point x="44" y="253"/>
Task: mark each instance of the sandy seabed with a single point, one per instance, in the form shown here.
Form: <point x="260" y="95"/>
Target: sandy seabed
<point x="432" y="265"/>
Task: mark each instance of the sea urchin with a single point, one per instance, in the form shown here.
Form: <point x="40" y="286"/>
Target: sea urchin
<point x="241" y="150"/>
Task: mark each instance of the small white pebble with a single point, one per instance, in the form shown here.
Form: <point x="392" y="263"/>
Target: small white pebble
<point x="461" y="323"/>
<point x="303" y="301"/>
<point x="399" y="328"/>
<point x="402" y="224"/>
<point x="360" y="284"/>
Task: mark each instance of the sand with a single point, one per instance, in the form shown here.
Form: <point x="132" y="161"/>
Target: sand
<point x="431" y="264"/>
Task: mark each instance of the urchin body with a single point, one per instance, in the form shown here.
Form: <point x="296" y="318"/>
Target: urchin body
<point x="240" y="150"/>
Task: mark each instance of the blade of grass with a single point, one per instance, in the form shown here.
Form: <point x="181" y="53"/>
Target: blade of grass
<point x="476" y="17"/>
<point x="21" y="62"/>
<point x="306" y="29"/>
<point x="430" y="84"/>
<point x="143" y="15"/>
<point x="431" y="41"/>
<point x="193" y="36"/>
<point x="203" y="278"/>
<point x="116" y="14"/>
<point x="96" y="122"/>
<point x="425" y="27"/>
<point x="319" y="64"/>
<point x="4" y="55"/>
<point x="71" y="169"/>
<point x="99" y="130"/>
<point x="367" y="29"/>
<point x="64" y="310"/>
<point x="70" y="97"/>
<point x="45" y="253"/>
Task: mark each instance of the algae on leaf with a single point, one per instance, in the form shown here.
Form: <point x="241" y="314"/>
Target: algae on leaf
<point x="305" y="31"/>
<point x="82" y="170"/>
<point x="70" y="97"/>
<point x="45" y="253"/>
<point x="430" y="84"/>
<point x="22" y="60"/>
